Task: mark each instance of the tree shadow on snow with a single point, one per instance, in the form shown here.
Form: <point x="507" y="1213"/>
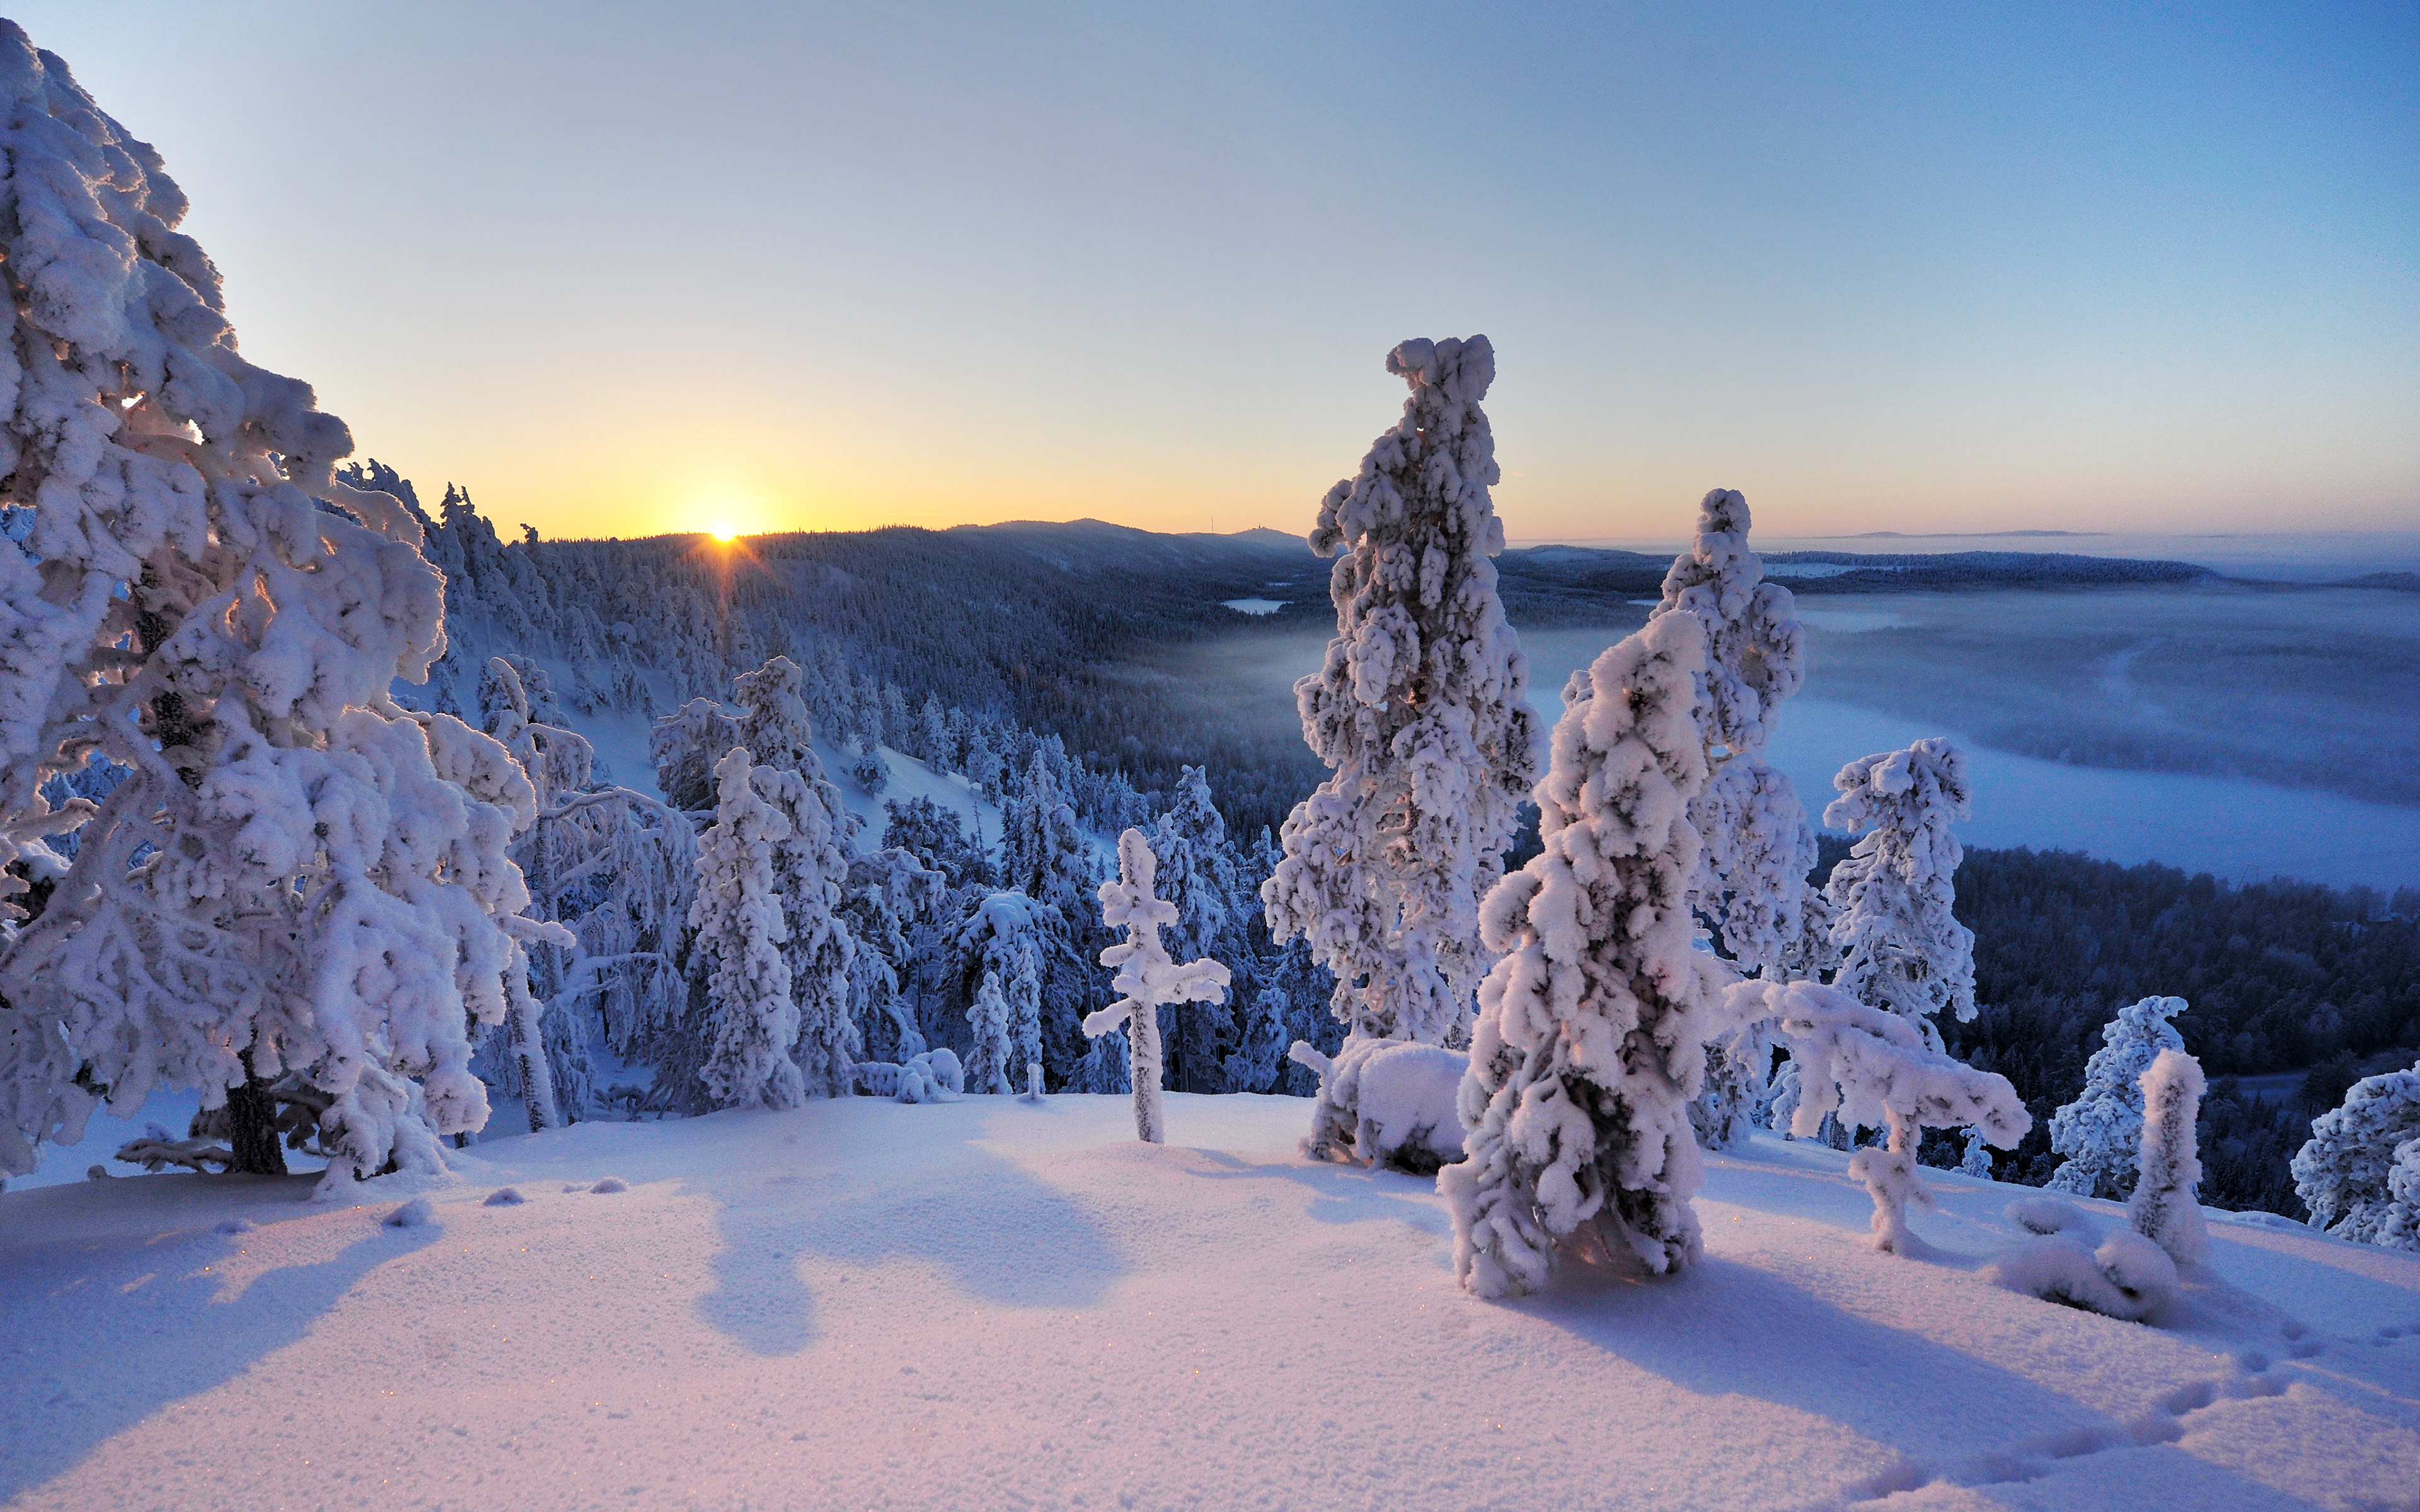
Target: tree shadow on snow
<point x="998" y="1235"/>
<point x="106" y="1335"/>
<point x="1729" y="1329"/>
<point x="1343" y="1192"/>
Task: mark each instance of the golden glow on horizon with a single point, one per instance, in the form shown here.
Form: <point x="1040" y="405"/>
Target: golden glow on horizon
<point x="726" y="534"/>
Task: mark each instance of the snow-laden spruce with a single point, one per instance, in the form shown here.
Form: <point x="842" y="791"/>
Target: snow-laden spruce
<point x="810" y="867"/>
<point x="297" y="873"/>
<point x="685" y="746"/>
<point x="740" y="932"/>
<point x="1976" y="1158"/>
<point x="1420" y="711"/>
<point x="2400" y="1227"/>
<point x="989" y="1052"/>
<point x="2163" y="1208"/>
<point x="1591" y="1030"/>
<point x="1198" y="874"/>
<point x="1902" y="947"/>
<point x="1875" y="1069"/>
<point x="2341" y="1173"/>
<point x="2101" y="1131"/>
<point x="1146" y="980"/>
<point x="1008" y="937"/>
<point x="1756" y="846"/>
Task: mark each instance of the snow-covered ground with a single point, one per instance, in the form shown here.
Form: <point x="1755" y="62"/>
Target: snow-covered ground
<point x="997" y="1305"/>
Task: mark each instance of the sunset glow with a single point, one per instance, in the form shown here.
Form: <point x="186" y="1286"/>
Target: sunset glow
<point x="1954" y="269"/>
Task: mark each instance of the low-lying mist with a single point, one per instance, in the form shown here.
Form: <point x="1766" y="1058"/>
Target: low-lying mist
<point x="2234" y="691"/>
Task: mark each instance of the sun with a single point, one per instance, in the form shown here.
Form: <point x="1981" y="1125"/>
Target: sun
<point x="726" y="534"/>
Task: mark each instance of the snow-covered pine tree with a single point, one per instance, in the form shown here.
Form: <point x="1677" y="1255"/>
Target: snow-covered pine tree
<point x="1261" y="1040"/>
<point x="1975" y="1160"/>
<point x="1756" y="844"/>
<point x="2101" y="1131"/>
<point x="1044" y="854"/>
<point x="1420" y="711"/>
<point x="870" y="774"/>
<point x="1024" y="993"/>
<point x="2163" y="1208"/>
<point x="1147" y="979"/>
<point x="2342" y="1172"/>
<point x="1902" y="947"/>
<point x="888" y="892"/>
<point x="2400" y="1226"/>
<point x="811" y="865"/>
<point x="1011" y="937"/>
<point x="686" y="745"/>
<point x="1199" y="876"/>
<point x="1591" y="1030"/>
<point x="990" y="1049"/>
<point x="297" y="873"/>
<point x="550" y="1065"/>
<point x="740" y="932"/>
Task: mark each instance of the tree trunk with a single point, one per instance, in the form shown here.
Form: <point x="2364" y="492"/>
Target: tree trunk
<point x="252" y="1126"/>
<point x="1142" y="1048"/>
<point x="538" y="1074"/>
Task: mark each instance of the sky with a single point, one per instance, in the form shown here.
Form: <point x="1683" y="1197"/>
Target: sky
<point x="623" y="271"/>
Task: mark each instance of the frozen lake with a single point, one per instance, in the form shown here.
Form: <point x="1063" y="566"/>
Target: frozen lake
<point x="2235" y="827"/>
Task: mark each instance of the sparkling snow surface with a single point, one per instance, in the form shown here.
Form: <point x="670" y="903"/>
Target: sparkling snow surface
<point x="989" y="1303"/>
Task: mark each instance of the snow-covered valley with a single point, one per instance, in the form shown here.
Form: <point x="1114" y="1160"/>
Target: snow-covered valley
<point x="998" y="1303"/>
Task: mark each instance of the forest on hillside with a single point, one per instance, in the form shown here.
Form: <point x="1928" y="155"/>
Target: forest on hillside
<point x="2281" y="975"/>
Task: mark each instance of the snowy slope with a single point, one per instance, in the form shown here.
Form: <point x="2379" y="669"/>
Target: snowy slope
<point x="992" y="1304"/>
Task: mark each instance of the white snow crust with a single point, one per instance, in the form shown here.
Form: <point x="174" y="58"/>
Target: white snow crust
<point x="861" y="1305"/>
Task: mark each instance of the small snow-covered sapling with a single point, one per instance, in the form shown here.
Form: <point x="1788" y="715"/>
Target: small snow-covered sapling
<point x="1146" y="978"/>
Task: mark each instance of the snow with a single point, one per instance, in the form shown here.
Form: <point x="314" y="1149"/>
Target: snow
<point x="799" y="1309"/>
<point x="1253" y="605"/>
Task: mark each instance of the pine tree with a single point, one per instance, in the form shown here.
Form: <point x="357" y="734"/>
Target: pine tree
<point x="811" y="864"/>
<point x="1008" y="937"/>
<point x="2163" y="1208"/>
<point x="1902" y="947"/>
<point x="990" y="1051"/>
<point x="2101" y="1132"/>
<point x="1591" y="1029"/>
<point x="1044" y="854"/>
<point x="1420" y="711"/>
<point x="1147" y="979"/>
<point x="686" y="746"/>
<point x="1198" y="874"/>
<point x="298" y="874"/>
<point x="740" y="932"/>
<point x="1976" y="1159"/>
<point x="2346" y="1172"/>
<point x="1757" y="846"/>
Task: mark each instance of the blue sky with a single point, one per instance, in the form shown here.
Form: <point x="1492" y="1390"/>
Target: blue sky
<point x="623" y="270"/>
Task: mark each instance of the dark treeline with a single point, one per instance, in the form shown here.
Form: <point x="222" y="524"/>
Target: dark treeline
<point x="2281" y="976"/>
